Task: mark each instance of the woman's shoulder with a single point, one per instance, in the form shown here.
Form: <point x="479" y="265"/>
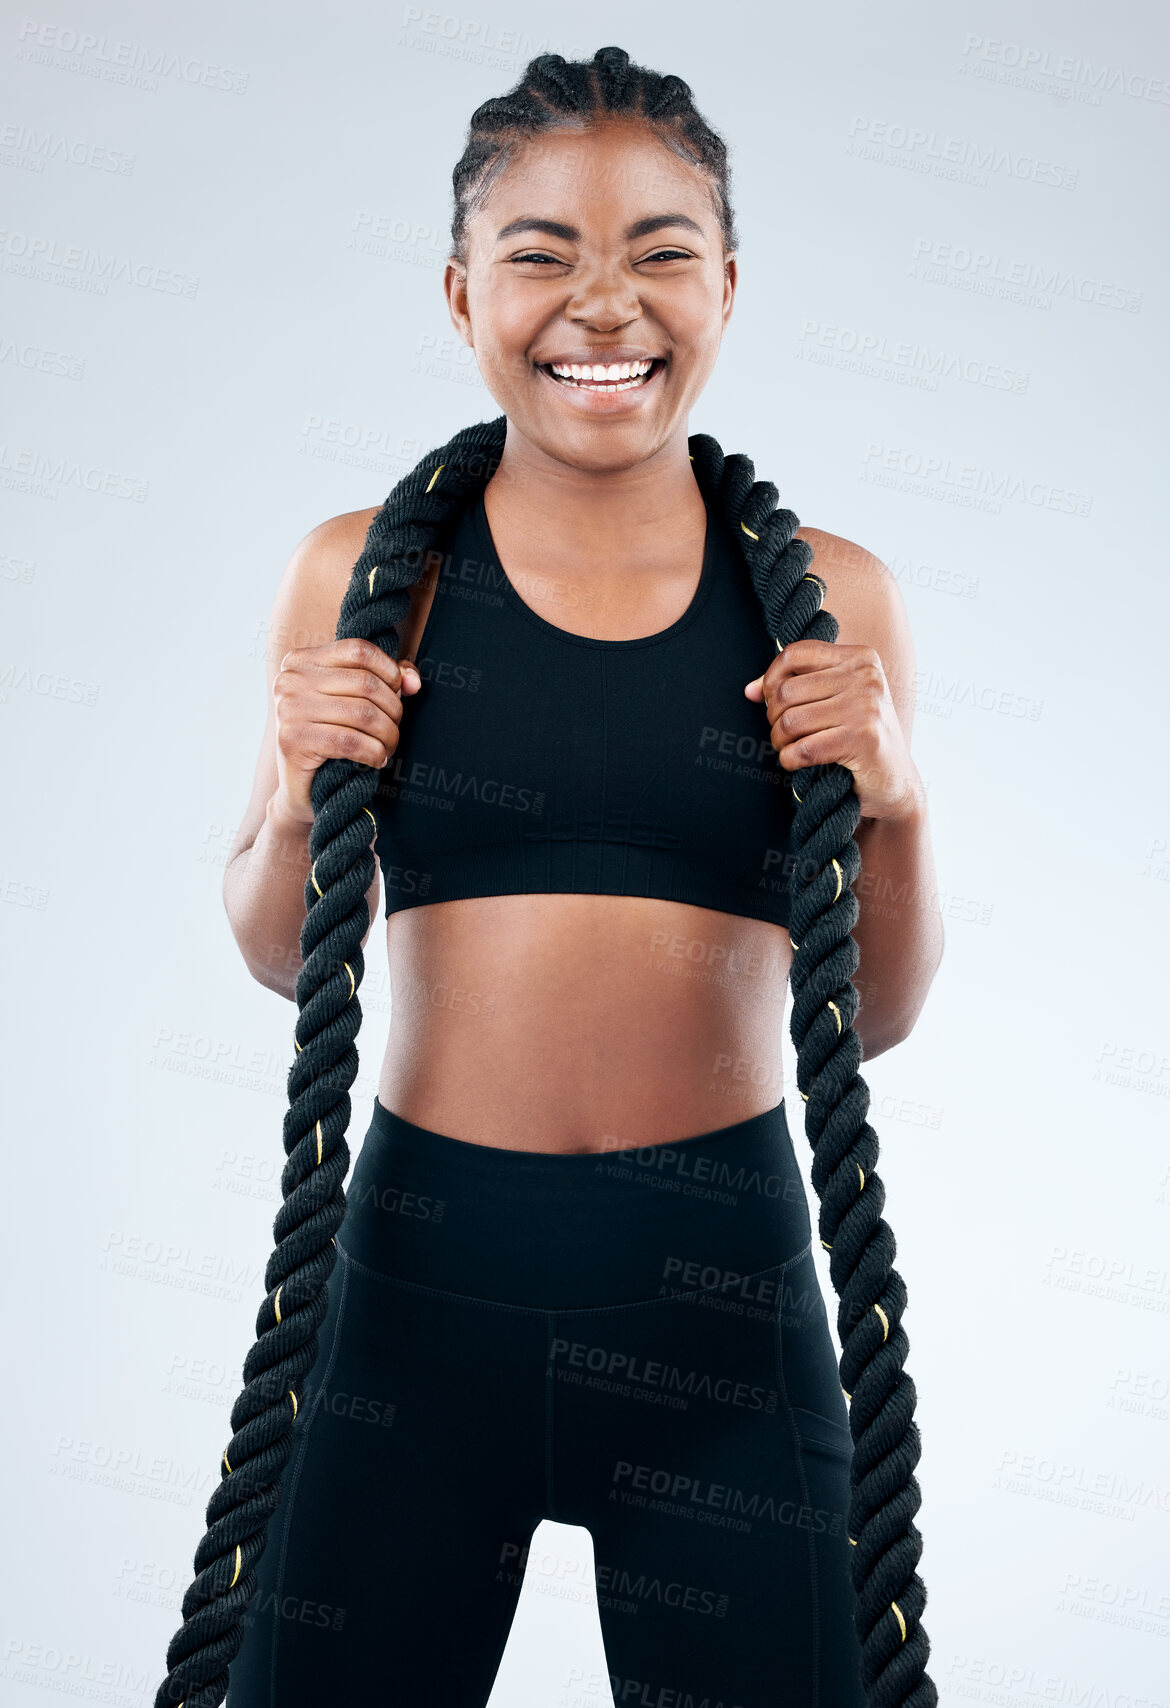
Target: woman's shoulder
<point x="321" y="570"/>
<point x="316" y="578"/>
<point x="860" y="590"/>
<point x="843" y="562"/>
<point x="332" y="548"/>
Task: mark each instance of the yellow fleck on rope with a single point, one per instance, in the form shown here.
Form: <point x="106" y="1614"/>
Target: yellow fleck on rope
<point x="276" y="1302"/>
<point x="318" y="1144"/>
<point x="377" y="566"/>
<point x="352" y="985"/>
<point x="826" y="1245"/>
<point x="901" y="1621"/>
<point x="837" y="1012"/>
<point x="748" y="531"/>
<point x="239" y="1563"/>
<point x="861" y="1172"/>
<point x="797" y="797"/>
<point x="313" y="875"/>
<point x="885" y="1323"/>
<point x="293" y="1398"/>
<point x="840" y="878"/>
<point x="225" y="1460"/>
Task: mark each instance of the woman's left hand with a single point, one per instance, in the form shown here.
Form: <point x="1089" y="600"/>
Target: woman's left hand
<point x="828" y="703"/>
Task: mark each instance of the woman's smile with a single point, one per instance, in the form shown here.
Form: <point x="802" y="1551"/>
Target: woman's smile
<point x="604" y="387"/>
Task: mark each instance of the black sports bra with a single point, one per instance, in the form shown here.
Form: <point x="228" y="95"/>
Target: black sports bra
<point x="537" y="760"/>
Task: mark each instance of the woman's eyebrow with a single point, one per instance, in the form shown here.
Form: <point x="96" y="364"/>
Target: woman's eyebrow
<point x="556" y="228"/>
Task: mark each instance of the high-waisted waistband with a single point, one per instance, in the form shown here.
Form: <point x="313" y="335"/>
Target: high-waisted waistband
<point x="556" y="1230"/>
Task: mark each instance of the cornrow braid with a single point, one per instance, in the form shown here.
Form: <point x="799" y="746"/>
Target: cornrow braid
<point x="410" y="526"/>
<point x="614" y="80"/>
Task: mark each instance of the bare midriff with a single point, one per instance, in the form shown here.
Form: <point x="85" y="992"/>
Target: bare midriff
<point x="574" y="1022"/>
<point x="582" y="1022"/>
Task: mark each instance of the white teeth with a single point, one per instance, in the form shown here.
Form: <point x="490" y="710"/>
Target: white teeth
<point x="617" y="376"/>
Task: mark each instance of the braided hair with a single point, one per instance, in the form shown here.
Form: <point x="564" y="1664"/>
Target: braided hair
<point x="411" y="525"/>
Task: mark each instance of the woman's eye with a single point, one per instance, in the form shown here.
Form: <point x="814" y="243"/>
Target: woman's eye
<point x="658" y="255"/>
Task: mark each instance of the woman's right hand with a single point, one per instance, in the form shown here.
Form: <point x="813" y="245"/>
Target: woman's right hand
<point x="342" y="700"/>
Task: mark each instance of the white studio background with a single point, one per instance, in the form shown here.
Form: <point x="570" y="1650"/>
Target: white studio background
<point x="221" y="259"/>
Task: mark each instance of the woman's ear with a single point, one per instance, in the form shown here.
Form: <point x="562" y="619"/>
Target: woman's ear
<point x="455" y="290"/>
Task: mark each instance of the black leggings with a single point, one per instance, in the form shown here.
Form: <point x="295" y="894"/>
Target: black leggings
<point x="631" y="1340"/>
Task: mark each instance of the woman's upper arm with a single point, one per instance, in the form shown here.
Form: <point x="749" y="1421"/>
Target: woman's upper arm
<point x="304" y="614"/>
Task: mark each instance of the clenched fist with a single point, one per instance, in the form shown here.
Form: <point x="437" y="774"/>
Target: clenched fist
<point x="830" y="703"/>
<point x="342" y="700"/>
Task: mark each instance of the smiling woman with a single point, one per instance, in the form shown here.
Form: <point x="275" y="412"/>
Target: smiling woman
<point x="608" y="846"/>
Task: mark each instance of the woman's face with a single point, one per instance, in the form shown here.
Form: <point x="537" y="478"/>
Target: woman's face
<point x="562" y="268"/>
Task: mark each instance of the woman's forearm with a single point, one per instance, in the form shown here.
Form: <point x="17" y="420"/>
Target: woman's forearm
<point x="899" y="932"/>
<point x="264" y="894"/>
